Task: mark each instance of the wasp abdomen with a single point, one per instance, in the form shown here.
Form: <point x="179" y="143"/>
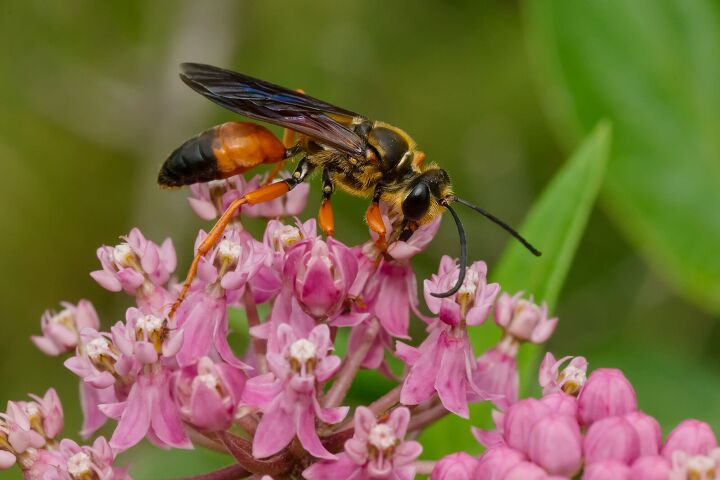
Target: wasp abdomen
<point x="221" y="152"/>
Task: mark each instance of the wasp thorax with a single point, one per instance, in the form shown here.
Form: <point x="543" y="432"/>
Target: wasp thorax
<point x="382" y="439"/>
<point x="124" y="256"/>
<point x="302" y="356"/>
<point x="389" y="144"/>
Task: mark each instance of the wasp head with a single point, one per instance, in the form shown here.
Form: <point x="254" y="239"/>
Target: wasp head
<point x="427" y="195"/>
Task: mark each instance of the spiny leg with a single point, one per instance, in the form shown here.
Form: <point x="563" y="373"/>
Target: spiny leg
<point x="325" y="217"/>
<point x="262" y="194"/>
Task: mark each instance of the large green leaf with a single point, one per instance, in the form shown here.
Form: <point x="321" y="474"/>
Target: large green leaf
<point x="653" y="68"/>
<point x="555" y="225"/>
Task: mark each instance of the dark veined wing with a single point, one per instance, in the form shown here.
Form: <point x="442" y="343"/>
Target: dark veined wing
<point x="278" y="105"/>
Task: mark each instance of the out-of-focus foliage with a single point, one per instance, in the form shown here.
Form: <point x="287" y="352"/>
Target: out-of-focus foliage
<point x="556" y="223"/>
<point x="90" y="104"/>
<point x="653" y="68"/>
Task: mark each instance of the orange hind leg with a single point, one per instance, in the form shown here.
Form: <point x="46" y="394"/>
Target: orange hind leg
<point x="262" y="194"/>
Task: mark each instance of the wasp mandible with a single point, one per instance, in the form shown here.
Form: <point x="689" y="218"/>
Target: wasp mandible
<point x="361" y="156"/>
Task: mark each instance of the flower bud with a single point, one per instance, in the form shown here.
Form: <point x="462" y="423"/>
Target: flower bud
<point x="612" y="438"/>
<point x="207" y="394"/>
<point x="458" y="466"/>
<point x="690" y="436"/>
<point x="555" y="444"/>
<point x="607" y="470"/>
<point x="606" y="393"/>
<point x="496" y="462"/>
<point x="519" y="421"/>
<point x="561" y="403"/>
<point x="320" y="274"/>
<point x="523" y="319"/>
<point x="652" y="467"/>
<point x="525" y="471"/>
<point x="648" y="430"/>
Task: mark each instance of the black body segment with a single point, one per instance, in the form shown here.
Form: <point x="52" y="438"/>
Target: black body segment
<point x="192" y="162"/>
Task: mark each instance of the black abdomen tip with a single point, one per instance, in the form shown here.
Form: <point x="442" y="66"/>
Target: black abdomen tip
<point x="191" y="162"/>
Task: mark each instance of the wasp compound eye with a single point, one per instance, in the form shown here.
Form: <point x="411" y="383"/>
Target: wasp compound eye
<point x="417" y="203"/>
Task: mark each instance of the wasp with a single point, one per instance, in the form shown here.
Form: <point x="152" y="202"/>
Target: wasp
<point x="363" y="157"/>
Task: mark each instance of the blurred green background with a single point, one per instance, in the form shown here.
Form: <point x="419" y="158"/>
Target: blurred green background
<point x="498" y="92"/>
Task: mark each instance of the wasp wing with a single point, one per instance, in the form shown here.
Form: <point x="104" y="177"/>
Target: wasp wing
<point x="278" y="105"/>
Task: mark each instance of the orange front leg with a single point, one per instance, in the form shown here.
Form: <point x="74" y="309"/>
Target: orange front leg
<point x="374" y="219"/>
<point x="325" y="217"/>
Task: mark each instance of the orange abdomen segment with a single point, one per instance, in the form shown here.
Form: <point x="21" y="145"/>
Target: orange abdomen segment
<point x="240" y="146"/>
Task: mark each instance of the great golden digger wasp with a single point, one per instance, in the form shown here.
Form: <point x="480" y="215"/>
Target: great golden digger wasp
<point x="361" y="156"/>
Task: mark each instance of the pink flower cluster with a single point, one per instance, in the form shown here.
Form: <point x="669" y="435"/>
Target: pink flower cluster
<point x="588" y="428"/>
<point x="29" y="433"/>
<point x="280" y="408"/>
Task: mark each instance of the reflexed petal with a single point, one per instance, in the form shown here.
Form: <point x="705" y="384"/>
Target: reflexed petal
<point x="135" y="420"/>
<point x="275" y="431"/>
<point x="308" y="435"/>
<point x="451" y="381"/>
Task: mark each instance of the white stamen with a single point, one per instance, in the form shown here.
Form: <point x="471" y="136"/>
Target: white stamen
<point x="701" y="467"/>
<point x="98" y="346"/>
<point x="302" y="350"/>
<point x="32" y="409"/>
<point x="470" y="284"/>
<point x="64" y="317"/>
<point x="286" y="236"/>
<point x="229" y="251"/>
<point x="572" y="379"/>
<point x="382" y="436"/>
<point x="123" y="255"/>
<point x="208" y="379"/>
<point x="149" y="323"/>
<point x="79" y="464"/>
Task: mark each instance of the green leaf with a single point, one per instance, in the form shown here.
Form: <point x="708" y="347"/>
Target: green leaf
<point x="555" y="225"/>
<point x="652" y="67"/>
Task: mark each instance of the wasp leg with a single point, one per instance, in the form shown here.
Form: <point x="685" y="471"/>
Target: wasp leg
<point x="374" y="219"/>
<point x="262" y="194"/>
<point x="325" y="217"/>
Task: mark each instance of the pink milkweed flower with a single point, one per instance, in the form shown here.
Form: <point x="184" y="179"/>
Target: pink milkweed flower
<point x="652" y="467"/>
<point x="692" y="437"/>
<point x="146" y="337"/>
<point x="445" y="361"/>
<point x="391" y="290"/>
<point x="570" y="380"/>
<point x="61" y="330"/>
<point x="208" y="393"/>
<point x="149" y="408"/>
<point x="223" y="275"/>
<point x="555" y="444"/>
<point x="287" y="396"/>
<point x="496" y="373"/>
<point x="612" y="438"/>
<point x="526" y="471"/>
<point x="608" y="470"/>
<point x="457" y="466"/>
<point x="606" y="393"/>
<point x="80" y="462"/>
<point x="17" y="438"/>
<point x="45" y="414"/>
<point x="519" y="421"/>
<point x="648" y="430"/>
<point x="139" y="267"/>
<point x="522" y="319"/>
<point x="695" y="467"/>
<point x="277" y="239"/>
<point x="320" y="274"/>
<point x="495" y="463"/>
<point x="376" y="450"/>
<point x="471" y="304"/>
<point x="561" y="403"/>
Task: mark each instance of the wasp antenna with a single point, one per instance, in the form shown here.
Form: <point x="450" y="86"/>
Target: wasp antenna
<point x="502" y="225"/>
<point x="463" y="255"/>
